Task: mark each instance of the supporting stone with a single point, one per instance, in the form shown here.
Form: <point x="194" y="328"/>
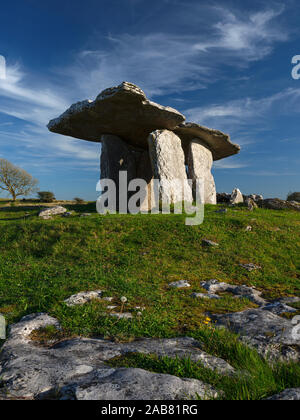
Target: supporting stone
<point x="168" y="164"/>
<point x="117" y="156"/>
<point x="200" y="160"/>
<point x="145" y="171"/>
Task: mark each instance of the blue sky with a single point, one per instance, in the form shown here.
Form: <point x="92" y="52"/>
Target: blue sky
<point x="224" y="64"/>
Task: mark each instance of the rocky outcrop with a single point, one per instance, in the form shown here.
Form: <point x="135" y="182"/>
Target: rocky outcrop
<point x="277" y="204"/>
<point x="292" y="394"/>
<point x="216" y="141"/>
<point x="294" y="197"/>
<point x="273" y="336"/>
<point x="123" y="111"/>
<point x="137" y="384"/>
<point x="223" y="198"/>
<point x="167" y="159"/>
<point x="200" y="162"/>
<point x="77" y="368"/>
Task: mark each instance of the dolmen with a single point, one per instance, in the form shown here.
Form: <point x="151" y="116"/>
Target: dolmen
<point x="148" y="141"/>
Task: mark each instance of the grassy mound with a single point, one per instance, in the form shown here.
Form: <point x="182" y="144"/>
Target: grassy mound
<point x="42" y="262"/>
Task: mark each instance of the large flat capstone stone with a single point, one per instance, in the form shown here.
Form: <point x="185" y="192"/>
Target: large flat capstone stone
<point x="219" y="143"/>
<point x="122" y="111"/>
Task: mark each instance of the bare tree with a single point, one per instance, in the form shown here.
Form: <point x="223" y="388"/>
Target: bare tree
<point x="16" y="181"/>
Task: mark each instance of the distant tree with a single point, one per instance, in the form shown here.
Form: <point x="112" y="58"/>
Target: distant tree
<point x="16" y="181"/>
<point x="46" y="196"/>
<point x="79" y="200"/>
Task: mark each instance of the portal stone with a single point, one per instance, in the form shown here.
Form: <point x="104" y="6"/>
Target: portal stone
<point x="200" y="160"/>
<point x="168" y="164"/>
<point x="117" y="156"/>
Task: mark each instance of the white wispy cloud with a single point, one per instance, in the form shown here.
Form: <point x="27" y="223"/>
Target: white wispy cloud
<point x="161" y="62"/>
<point x="167" y="62"/>
<point x="248" y="114"/>
<point x="250" y="36"/>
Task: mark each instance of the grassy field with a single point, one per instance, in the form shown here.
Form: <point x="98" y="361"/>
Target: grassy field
<point x="42" y="262"/>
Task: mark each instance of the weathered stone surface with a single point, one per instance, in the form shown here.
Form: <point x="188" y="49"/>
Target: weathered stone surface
<point x="218" y="142"/>
<point x="200" y="162"/>
<point x="214" y="286"/>
<point x="122" y="111"/>
<point x="277" y="204"/>
<point x="64" y="369"/>
<point x="138" y="384"/>
<point x="52" y="211"/>
<point x="270" y="334"/>
<point x="83" y="297"/>
<point x="167" y="159"/>
<point x="292" y="394"/>
<point x="236" y="197"/>
<point x="279" y="308"/>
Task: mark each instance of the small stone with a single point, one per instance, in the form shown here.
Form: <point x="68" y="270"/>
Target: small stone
<point x="250" y="267"/>
<point x="108" y="299"/>
<point x="179" y="284"/>
<point x="83" y="297"/>
<point x="207" y="242"/>
<point x="205" y="296"/>
<point x="248" y="229"/>
<point x="122" y="315"/>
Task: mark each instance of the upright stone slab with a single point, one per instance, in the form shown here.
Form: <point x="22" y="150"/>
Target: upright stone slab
<point x="145" y="172"/>
<point x="200" y="160"/>
<point x="167" y="159"/>
<point x="117" y="156"/>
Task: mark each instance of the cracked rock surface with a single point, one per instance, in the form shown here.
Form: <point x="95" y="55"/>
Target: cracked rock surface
<point x="77" y="369"/>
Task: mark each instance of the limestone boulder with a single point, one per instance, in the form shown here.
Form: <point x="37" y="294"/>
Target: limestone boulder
<point x="123" y="111"/>
<point x="200" y="162"/>
<point x="52" y="211"/>
<point x="236" y="197"/>
<point x="219" y="143"/>
<point x="168" y="165"/>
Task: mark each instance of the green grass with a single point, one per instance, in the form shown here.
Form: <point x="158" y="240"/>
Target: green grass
<point x="42" y="262"/>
